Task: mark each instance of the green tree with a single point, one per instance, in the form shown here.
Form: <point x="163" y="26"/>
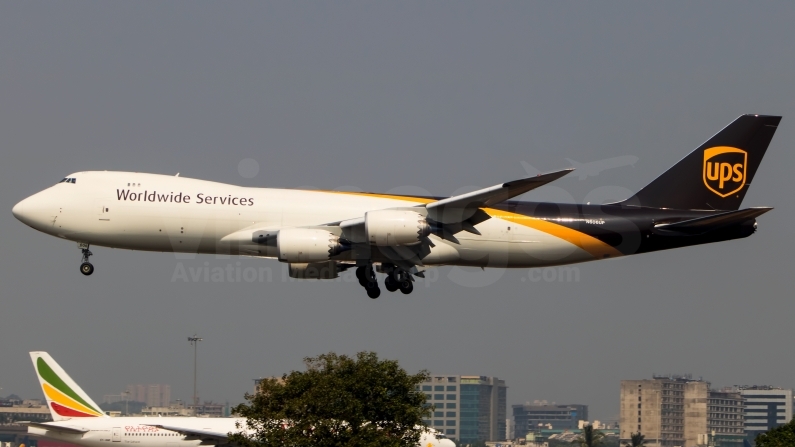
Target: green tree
<point x="636" y="440"/>
<point x="590" y="437"/>
<point x="781" y="436"/>
<point x="337" y="401"/>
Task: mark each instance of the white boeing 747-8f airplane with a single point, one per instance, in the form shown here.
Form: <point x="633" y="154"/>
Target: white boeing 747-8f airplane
<point x="321" y="233"/>
<point x="78" y="420"/>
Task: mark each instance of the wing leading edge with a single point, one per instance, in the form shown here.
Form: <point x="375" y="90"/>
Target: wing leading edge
<point x="459" y="208"/>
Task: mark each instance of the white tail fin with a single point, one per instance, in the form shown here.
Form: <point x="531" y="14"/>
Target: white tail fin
<point x="64" y="397"/>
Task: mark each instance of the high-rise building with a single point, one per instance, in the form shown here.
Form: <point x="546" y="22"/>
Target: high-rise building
<point x="529" y="417"/>
<point x="165" y="395"/>
<point x="766" y="407"/>
<point x="153" y="396"/>
<point x="725" y="416"/>
<point x="156" y="395"/>
<point x="136" y="393"/>
<point x="467" y="408"/>
<point x="680" y="411"/>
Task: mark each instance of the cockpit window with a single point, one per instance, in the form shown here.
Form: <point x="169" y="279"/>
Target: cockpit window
<point x="68" y="180"/>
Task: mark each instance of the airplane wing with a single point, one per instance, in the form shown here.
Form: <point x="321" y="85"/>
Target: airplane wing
<point x="203" y="435"/>
<point x="446" y="216"/>
<point x="58" y="428"/>
<point x="459" y="208"/>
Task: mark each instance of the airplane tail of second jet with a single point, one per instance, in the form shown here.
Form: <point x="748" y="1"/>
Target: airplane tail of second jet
<point x="717" y="174"/>
<point x="64" y="397"/>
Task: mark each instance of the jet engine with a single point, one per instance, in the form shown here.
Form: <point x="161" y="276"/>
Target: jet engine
<point x="395" y="227"/>
<point x="301" y="245"/>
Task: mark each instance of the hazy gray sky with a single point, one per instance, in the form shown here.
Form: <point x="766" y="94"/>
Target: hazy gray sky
<point x="409" y="96"/>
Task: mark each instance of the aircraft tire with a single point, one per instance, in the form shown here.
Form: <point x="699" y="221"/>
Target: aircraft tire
<point x="374" y="292"/>
<point x="86" y="268"/>
<point x="391" y="284"/>
<point x="407" y="286"/>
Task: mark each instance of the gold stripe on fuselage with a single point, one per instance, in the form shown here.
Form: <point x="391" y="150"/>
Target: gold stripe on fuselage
<point x="592" y="245"/>
<point x="386" y="196"/>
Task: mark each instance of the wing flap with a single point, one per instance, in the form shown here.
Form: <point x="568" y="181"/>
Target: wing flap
<point x="460" y="208"/>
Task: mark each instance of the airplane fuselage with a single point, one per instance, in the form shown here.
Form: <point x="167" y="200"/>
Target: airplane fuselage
<point x="143" y="431"/>
<point x="139" y="431"/>
<point x="152" y="212"/>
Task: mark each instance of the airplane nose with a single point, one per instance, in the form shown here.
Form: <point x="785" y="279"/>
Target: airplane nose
<point x="18" y="210"/>
<point x="32" y="211"/>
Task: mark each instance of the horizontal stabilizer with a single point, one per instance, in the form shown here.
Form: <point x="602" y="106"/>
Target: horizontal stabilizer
<point x="460" y="208"/>
<point x="57" y="428"/>
<point x="715" y="221"/>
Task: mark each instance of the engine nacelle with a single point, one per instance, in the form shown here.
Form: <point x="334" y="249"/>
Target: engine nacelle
<point x="395" y="227"/>
<point x="299" y="245"/>
<point x="314" y="270"/>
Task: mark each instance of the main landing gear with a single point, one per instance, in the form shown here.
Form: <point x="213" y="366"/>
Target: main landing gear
<point x="367" y="279"/>
<point x="86" y="267"/>
<point x="399" y="279"/>
<point x="395" y="280"/>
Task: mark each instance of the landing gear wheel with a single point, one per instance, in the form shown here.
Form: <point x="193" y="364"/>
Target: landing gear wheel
<point x="374" y="292"/>
<point x="406" y="286"/>
<point x="367" y="279"/>
<point x="391" y="284"/>
<point x="86" y="268"/>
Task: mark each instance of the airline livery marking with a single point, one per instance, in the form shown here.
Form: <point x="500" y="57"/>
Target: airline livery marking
<point x="154" y="196"/>
<point x="724" y="169"/>
<point x="65" y="403"/>
<point x="592" y="245"/>
<point x="61" y="393"/>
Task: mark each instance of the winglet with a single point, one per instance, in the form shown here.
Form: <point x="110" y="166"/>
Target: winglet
<point x="64" y="397"/>
<point x="459" y="208"/>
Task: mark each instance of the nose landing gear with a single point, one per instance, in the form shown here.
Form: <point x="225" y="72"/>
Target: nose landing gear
<point x="86" y="267"/>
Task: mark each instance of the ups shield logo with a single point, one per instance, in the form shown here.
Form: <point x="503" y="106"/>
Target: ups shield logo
<point x="724" y="169"/>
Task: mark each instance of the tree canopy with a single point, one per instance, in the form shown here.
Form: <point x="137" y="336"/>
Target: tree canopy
<point x="636" y="440"/>
<point x="590" y="437"/>
<point x="781" y="436"/>
<point x="337" y="401"/>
